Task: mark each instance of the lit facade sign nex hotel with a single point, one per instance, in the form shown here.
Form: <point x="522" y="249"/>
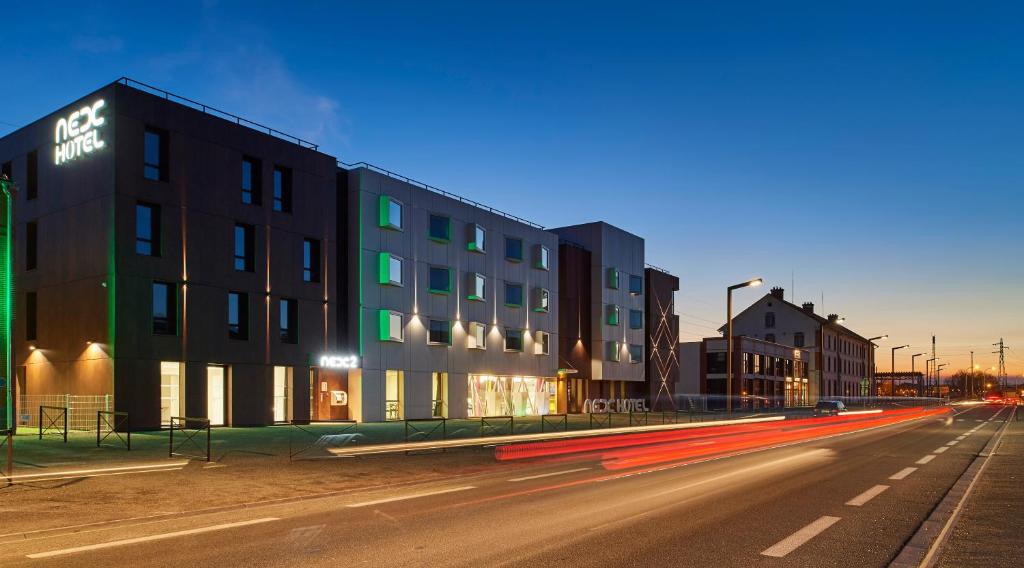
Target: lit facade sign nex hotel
<point x="78" y="134"/>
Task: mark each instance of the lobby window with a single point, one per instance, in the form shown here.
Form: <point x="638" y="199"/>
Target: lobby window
<point x="310" y="260"/>
<point x="477" y="336"/>
<point x="514" y="249"/>
<point x="238" y="315"/>
<point x="612" y="351"/>
<point x="251" y="193"/>
<point x="477" y="238"/>
<point x="147" y="229"/>
<point x="391" y="215"/>
<point x="155" y="154"/>
<point x="636" y="353"/>
<point x="439" y="394"/>
<point x="32" y="175"/>
<point x="513" y="295"/>
<point x="289" y="323"/>
<point x="612" y="314"/>
<point x="541" y="257"/>
<point x="244" y="245"/>
<point x="282" y="189"/>
<point x="769" y="319"/>
<point x="439" y="332"/>
<point x="440" y="281"/>
<point x="391" y="326"/>
<point x="612" y="278"/>
<point x="541" y="300"/>
<point x="440" y="228"/>
<point x="476" y="287"/>
<point x="513" y="339"/>
<point x="636" y="285"/>
<point x="541" y="343"/>
<point x="31" y="245"/>
<point x="798" y="339"/>
<point x="30" y="316"/>
<point x="636" y="319"/>
<point x="164" y="308"/>
<point x="390" y="269"/>
<point x="394" y="390"/>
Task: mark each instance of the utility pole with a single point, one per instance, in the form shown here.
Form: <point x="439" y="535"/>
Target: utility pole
<point x="1001" y="373"/>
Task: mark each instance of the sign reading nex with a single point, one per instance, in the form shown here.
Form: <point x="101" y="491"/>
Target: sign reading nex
<point x="78" y="135"/>
<point x="339" y="362"/>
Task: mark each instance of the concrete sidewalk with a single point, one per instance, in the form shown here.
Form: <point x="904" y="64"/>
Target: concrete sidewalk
<point x="990" y="530"/>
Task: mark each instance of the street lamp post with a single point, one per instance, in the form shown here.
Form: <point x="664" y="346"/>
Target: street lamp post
<point x="938" y="378"/>
<point x="728" y="341"/>
<point x="871" y="341"/>
<point x="892" y="370"/>
<point x="912" y="357"/>
<point x="928" y="364"/>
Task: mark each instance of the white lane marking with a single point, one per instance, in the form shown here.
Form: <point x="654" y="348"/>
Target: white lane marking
<point x="101" y="470"/>
<point x="903" y="473"/>
<point x="793" y="541"/>
<point x="48" y="479"/>
<point x="953" y="443"/>
<point x="867" y="496"/>
<point x="538" y="476"/>
<point x="127" y="541"/>
<point x="961" y="437"/>
<point x="939" y="450"/>
<point x="412" y="496"/>
<point x="926" y="459"/>
<point x="979" y="420"/>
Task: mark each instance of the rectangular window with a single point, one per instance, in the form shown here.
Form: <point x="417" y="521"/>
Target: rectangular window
<point x="171" y="392"/>
<point x="30" y="316"/>
<point x="310" y="260"/>
<point x="282" y="189"/>
<point x="165" y="312"/>
<point x="440" y="228"/>
<point x="541" y="300"/>
<point x="541" y="343"/>
<point x="513" y="339"/>
<point x="391" y="326"/>
<point x="440" y="280"/>
<point x="238" y="315"/>
<point x="636" y="353"/>
<point x="282" y="394"/>
<point x="147" y="229"/>
<point x="216" y="394"/>
<point x="439" y="332"/>
<point x="251" y="190"/>
<point x="477" y="238"/>
<point x="612" y="314"/>
<point x="798" y="339"/>
<point x="394" y="389"/>
<point x="541" y="257"/>
<point x="513" y="295"/>
<point x="31" y="245"/>
<point x="289" y="320"/>
<point x="612" y="278"/>
<point x="477" y="336"/>
<point x="390" y="270"/>
<point x="514" y="249"/>
<point x="155" y="155"/>
<point x="636" y="319"/>
<point x="244" y="245"/>
<point x="391" y="214"/>
<point x="476" y="287"/>
<point x="612" y="351"/>
<point x="439" y="394"/>
<point x="32" y="175"/>
<point x="636" y="285"/>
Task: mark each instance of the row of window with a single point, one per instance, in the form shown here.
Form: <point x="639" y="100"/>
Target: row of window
<point x="31" y="185"/>
<point x="846" y="366"/>
<point x="759" y="364"/>
<point x="845" y="346"/>
<point x="636" y="283"/>
<point x="148" y="243"/>
<point x="439" y="332"/>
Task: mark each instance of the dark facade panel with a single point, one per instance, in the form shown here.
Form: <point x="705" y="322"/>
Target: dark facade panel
<point x="662" y="345"/>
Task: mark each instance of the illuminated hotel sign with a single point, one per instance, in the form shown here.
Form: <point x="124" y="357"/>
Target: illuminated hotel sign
<point x="601" y="405"/>
<point x="78" y="134"/>
<point x="339" y="362"/>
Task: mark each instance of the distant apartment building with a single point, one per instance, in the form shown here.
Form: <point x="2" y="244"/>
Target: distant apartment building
<point x="765" y="374"/>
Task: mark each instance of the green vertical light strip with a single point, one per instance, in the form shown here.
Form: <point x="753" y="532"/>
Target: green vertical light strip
<point x="6" y="315"/>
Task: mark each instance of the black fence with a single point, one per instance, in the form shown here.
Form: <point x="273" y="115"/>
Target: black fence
<point x="53" y="421"/>
<point x="116" y="424"/>
<point x="191" y="437"/>
<point x="497" y="426"/>
<point x="554" y="423"/>
<point x="603" y="420"/>
<point x="424" y="429"/>
<point x="304" y="439"/>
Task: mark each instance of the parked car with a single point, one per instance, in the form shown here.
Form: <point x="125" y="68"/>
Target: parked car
<point x="829" y="408"/>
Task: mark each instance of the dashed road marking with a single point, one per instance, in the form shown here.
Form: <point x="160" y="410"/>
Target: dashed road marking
<point x="867" y="496"/>
<point x="538" y="476"/>
<point x="939" y="450"/>
<point x="926" y="459"/>
<point x="793" y="541"/>
<point x="903" y="473"/>
<point x="412" y="496"/>
<point x="952" y="442"/>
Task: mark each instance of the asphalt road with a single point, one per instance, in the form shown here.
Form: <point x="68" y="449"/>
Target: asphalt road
<point x="785" y="506"/>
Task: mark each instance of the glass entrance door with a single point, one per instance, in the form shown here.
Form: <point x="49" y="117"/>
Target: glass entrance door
<point x="215" y="395"/>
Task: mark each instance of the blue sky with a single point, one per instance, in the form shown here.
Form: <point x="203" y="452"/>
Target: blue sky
<point x="868" y="153"/>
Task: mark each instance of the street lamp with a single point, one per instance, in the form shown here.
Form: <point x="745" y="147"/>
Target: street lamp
<point x="871" y="342"/>
<point x="892" y="370"/>
<point x="912" y="357"/>
<point x="728" y="349"/>
<point x="938" y="378"/>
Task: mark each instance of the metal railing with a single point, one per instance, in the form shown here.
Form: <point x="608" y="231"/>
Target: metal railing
<point x="439" y="191"/>
<point x="81" y="408"/>
<point x="115" y="423"/>
<point x="191" y="428"/>
<point x="425" y="428"/>
<point x="341" y="433"/>
<point x="207" y="109"/>
<point x="496" y="425"/>
<point x="553" y="421"/>
<point x="53" y="420"/>
<point x="604" y="420"/>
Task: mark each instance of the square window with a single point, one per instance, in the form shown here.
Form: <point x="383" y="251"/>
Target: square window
<point x="541" y="300"/>
<point x="440" y="280"/>
<point x="164" y="308"/>
<point x="391" y="326"/>
<point x="636" y="285"/>
<point x="541" y="257"/>
<point x="513" y="295"/>
<point x="636" y="319"/>
<point x="390" y="213"/>
<point x="612" y="278"/>
<point x="612" y="351"/>
<point x="477" y="336"/>
<point x="439" y="332"/>
<point x="477" y="287"/>
<point x="514" y="249"/>
<point x="513" y="339"/>
<point x="440" y="228"/>
<point x="282" y="189"/>
<point x="476" y="238"/>
<point x="541" y="343"/>
<point x="390" y="269"/>
<point x="636" y="353"/>
<point x="612" y="314"/>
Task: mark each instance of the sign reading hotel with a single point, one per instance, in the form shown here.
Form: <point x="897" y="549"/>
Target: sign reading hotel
<point x="78" y="134"/>
<point x="602" y="405"/>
